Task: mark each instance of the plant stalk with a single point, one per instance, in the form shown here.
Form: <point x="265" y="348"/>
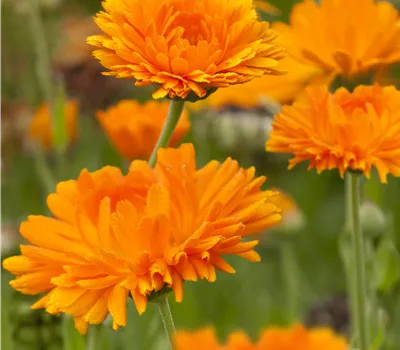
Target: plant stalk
<point x="174" y="113"/>
<point x="358" y="248"/>
<point x="166" y="317"/>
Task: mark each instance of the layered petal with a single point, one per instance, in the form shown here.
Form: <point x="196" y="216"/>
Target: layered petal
<point x="139" y="233"/>
<point x="155" y="42"/>
<point x="345" y="131"/>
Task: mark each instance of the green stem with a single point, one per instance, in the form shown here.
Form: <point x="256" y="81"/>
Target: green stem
<point x="350" y="267"/>
<point x="92" y="338"/>
<point x="360" y="306"/>
<point x="174" y="114"/>
<point x="290" y="277"/>
<point x="166" y="317"/>
<point x="44" y="172"/>
<point x="42" y="59"/>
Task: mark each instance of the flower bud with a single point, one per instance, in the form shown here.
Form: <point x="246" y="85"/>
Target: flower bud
<point x="373" y="220"/>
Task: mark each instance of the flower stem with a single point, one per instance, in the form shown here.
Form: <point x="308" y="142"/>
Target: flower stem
<point x="360" y="302"/>
<point x="42" y="62"/>
<point x="350" y="267"/>
<point x="92" y="338"/>
<point x="166" y="317"/>
<point x="290" y="276"/>
<point x="174" y="114"/>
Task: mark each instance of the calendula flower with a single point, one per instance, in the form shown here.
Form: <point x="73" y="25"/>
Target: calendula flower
<point x="347" y="131"/>
<point x="296" y="337"/>
<point x="186" y="49"/>
<point x="41" y="125"/>
<point x="278" y="88"/>
<point x="134" y="128"/>
<point x="202" y="339"/>
<point x="114" y="235"/>
<point x="343" y="37"/>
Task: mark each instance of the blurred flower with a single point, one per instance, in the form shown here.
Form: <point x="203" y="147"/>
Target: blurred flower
<point x="74" y="62"/>
<point x="293" y="219"/>
<point x="73" y="49"/>
<point x="41" y="126"/>
<point x="272" y="338"/>
<point x="295" y="338"/>
<point x="134" y="128"/>
<point x="156" y="43"/>
<point x="373" y="220"/>
<point x="343" y="37"/>
<point x="348" y="131"/>
<point x="266" y="7"/>
<point x="202" y="339"/>
<point x="115" y="235"/>
<point x="278" y="88"/>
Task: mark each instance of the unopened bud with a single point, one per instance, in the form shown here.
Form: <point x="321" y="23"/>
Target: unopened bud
<point x="373" y="220"/>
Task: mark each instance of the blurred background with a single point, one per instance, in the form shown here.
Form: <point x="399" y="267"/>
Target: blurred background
<point x="301" y="277"/>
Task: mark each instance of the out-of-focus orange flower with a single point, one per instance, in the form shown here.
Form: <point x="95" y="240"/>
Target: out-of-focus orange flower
<point x="348" y="131"/>
<point x="41" y="126"/>
<point x="294" y="338"/>
<point x="185" y="48"/>
<point x="202" y="339"/>
<point x="134" y="128"/>
<point x="279" y="88"/>
<point x="343" y="37"/>
<point x="114" y="235"/>
<point x="272" y="338"/>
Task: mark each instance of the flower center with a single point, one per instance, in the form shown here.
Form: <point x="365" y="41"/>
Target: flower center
<point x="195" y="27"/>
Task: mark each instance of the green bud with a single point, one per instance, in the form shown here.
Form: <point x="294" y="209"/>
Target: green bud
<point x="373" y="220"/>
<point x="293" y="221"/>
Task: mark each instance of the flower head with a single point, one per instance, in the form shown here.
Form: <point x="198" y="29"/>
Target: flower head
<point x="296" y="337"/>
<point x="343" y="37"/>
<point x="134" y="128"/>
<point x="114" y="235"/>
<point x="41" y="125"/>
<point x="185" y="48"/>
<point x="202" y="339"/>
<point x="348" y="131"/>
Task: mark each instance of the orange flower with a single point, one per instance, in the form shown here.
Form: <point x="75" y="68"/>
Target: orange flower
<point x="294" y="338"/>
<point x="272" y="338"/>
<point x="115" y="235"/>
<point x="202" y="339"/>
<point x="279" y="88"/>
<point x="134" y="128"/>
<point x="157" y="43"/>
<point x="348" y="131"/>
<point x="341" y="36"/>
<point x="41" y="126"/>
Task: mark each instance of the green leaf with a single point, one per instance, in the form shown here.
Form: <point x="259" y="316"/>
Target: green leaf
<point x="387" y="266"/>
